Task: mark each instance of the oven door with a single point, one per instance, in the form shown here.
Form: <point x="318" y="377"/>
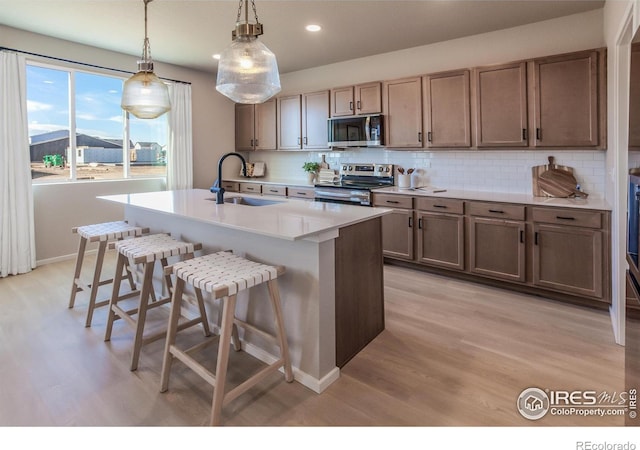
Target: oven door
<point x="343" y="195"/>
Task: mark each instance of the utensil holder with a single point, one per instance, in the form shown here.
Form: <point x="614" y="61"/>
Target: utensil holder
<point x="404" y="181"/>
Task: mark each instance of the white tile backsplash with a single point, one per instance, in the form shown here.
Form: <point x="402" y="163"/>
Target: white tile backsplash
<point x="506" y="171"/>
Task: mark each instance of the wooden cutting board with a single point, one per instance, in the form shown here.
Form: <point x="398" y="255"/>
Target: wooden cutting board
<point x="324" y="164"/>
<point x="558" y="181"/>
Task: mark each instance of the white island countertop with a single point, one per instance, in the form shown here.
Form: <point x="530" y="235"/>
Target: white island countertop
<point x="286" y="218"/>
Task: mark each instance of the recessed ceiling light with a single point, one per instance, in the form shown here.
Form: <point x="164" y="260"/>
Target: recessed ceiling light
<point x="313" y="28"/>
<point x="216" y="56"/>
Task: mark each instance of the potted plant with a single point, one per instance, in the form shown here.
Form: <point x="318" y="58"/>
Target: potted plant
<point x="312" y="169"/>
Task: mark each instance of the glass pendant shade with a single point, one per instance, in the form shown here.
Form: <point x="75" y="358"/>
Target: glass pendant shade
<point x="248" y="71"/>
<point x="145" y="96"/>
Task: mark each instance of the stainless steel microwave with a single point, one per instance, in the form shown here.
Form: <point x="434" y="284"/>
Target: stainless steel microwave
<point x="356" y="131"/>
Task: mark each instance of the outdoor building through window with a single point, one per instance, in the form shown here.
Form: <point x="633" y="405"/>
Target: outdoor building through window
<point x="78" y="131"/>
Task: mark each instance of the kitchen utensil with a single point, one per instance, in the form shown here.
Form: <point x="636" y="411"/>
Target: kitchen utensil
<point x="324" y="164"/>
<point x="400" y="170"/>
<point x="559" y="183"/>
<point x="410" y="171"/>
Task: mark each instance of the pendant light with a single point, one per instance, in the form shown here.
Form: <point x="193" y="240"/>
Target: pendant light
<point x="144" y="95"/>
<point x="247" y="71"/>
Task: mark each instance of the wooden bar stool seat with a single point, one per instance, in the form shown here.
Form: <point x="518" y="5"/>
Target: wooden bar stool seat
<point x="145" y="251"/>
<point x="223" y="275"/>
<point x="103" y="233"/>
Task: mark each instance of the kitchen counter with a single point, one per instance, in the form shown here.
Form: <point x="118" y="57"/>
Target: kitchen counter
<point x="332" y="291"/>
<point x="587" y="203"/>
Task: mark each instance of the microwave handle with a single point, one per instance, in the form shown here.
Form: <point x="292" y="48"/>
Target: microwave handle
<point x="367" y="128"/>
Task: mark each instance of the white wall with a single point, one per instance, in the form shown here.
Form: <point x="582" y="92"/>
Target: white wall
<point x="213" y="124"/>
<point x="496" y="171"/>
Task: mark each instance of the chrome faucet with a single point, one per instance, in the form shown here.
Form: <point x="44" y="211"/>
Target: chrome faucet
<point x="217" y="188"/>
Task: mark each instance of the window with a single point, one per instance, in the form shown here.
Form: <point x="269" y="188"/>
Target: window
<point x="106" y="143"/>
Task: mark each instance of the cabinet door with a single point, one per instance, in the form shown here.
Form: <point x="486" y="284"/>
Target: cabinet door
<point x="501" y="99"/>
<point x="245" y="120"/>
<point x="447" y="110"/>
<point x="397" y="234"/>
<point x="634" y="99"/>
<point x="402" y="101"/>
<point x="265" y="126"/>
<point x="566" y="100"/>
<point x="441" y="240"/>
<point x="342" y="103"/>
<point x="497" y="248"/>
<point x="568" y="259"/>
<point x="289" y="123"/>
<point x="368" y="98"/>
<point x="315" y="114"/>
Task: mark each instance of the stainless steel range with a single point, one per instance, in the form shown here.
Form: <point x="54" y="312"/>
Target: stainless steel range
<point x="355" y="183"/>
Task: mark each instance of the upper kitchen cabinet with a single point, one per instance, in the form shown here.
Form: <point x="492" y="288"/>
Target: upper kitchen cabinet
<point x="402" y="103"/>
<point x="360" y="99"/>
<point x="501" y="105"/>
<point x="315" y="114"/>
<point x="634" y="99"/>
<point x="256" y="126"/>
<point x="290" y="122"/>
<point x="447" y="110"/>
<point x="568" y="108"/>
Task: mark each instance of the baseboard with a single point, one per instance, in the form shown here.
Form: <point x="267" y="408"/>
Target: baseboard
<point x="42" y="262"/>
<point x="311" y="382"/>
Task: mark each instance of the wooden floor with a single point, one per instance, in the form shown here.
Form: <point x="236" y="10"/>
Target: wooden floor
<point x="453" y="354"/>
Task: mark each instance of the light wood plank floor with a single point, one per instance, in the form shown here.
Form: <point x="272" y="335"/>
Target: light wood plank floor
<point x="453" y="354"/>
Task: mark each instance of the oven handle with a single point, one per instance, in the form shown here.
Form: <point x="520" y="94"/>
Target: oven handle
<point x="335" y="194"/>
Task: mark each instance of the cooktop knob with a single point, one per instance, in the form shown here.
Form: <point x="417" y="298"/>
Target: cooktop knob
<point x="344" y="167"/>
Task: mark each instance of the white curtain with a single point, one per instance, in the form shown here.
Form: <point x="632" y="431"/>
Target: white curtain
<point x="17" y="236"/>
<point x="180" y="151"/>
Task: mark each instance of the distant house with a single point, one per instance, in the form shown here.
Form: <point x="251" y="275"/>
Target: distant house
<point x="89" y="149"/>
<point x="146" y="152"/>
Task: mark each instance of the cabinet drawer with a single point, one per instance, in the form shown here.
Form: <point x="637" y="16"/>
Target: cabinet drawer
<point x="572" y="217"/>
<point x="393" y="201"/>
<point x="300" y="192"/>
<point x="497" y="210"/>
<point x="446" y="205"/>
<point x="274" y="190"/>
<point x="231" y="186"/>
<point x="254" y="188"/>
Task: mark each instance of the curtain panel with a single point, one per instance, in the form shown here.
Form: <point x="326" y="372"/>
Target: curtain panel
<point x="180" y="151"/>
<point x="17" y="229"/>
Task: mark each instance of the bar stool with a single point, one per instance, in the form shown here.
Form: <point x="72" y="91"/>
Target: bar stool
<point x="224" y="274"/>
<point x="102" y="233"/>
<point x="146" y="251"/>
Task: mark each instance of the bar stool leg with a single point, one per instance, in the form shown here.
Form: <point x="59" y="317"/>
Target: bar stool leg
<point x="147" y="287"/>
<point x="95" y="284"/>
<point x="76" y="275"/>
<point x="274" y="295"/>
<point x="115" y="293"/>
<point x="228" y="314"/>
<point x="172" y="330"/>
<point x="203" y="311"/>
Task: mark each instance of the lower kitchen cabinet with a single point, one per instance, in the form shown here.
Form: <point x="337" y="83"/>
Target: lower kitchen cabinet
<point x="568" y="251"/>
<point x="496" y="248"/>
<point x="557" y="252"/>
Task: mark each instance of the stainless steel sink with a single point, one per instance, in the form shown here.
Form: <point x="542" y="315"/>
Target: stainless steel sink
<point x="249" y="201"/>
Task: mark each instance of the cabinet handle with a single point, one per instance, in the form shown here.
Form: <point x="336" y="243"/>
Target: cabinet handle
<point x="301" y="193"/>
<point x="395" y="202"/>
<point x="538" y="134"/>
<point x="256" y="142"/>
<point x="420" y="223"/>
<point x="496" y="211"/>
<point x="410" y="222"/>
<point x="429" y="136"/>
<point x="522" y="236"/>
<point x="299" y="141"/>
<point x="273" y="190"/>
<point x="350" y="106"/>
<point x="565" y="218"/>
<point x="358" y="104"/>
<point x="419" y="136"/>
<point x="251" y="145"/>
<point x="305" y="140"/>
<point x="440" y="206"/>
<point x="535" y="238"/>
<point x="524" y="134"/>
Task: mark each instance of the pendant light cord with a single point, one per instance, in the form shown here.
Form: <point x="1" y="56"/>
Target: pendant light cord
<point x="246" y="10"/>
<point x="146" y="47"/>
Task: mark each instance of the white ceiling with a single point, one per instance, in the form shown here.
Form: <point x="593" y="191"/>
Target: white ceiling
<point x="188" y="32"/>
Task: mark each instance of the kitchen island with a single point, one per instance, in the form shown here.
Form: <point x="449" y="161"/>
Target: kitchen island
<point x="332" y="291"/>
